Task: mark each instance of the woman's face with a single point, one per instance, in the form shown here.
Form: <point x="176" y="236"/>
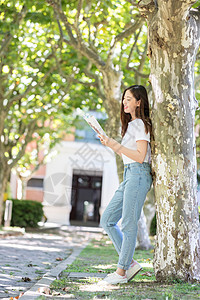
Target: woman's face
<point x="130" y="103"/>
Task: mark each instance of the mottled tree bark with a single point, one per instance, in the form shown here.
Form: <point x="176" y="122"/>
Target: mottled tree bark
<point x="174" y="34"/>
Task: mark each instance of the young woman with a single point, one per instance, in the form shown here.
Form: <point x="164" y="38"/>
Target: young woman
<point x="129" y="198"/>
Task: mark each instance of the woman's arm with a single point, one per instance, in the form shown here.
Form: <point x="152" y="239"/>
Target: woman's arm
<point x="137" y="155"/>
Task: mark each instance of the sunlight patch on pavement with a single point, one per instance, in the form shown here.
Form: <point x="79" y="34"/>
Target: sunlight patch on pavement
<point x="26" y="247"/>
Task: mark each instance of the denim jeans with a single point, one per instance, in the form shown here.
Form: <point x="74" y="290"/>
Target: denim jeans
<point x="126" y="204"/>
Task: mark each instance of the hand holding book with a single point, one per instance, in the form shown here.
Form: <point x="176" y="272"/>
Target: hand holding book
<point x="94" y="124"/>
<point x="105" y="140"/>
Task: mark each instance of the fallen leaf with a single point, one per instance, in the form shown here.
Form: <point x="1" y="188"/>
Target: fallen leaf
<point x="146" y="274"/>
<point x="59" y="258"/>
<point x="30" y="265"/>
<point x="108" y="242"/>
<point x="54" y="293"/>
<point x="45" y="290"/>
<point x="66" y="289"/>
<point x="21" y="294"/>
<point x="46" y="263"/>
<point x="26" y="279"/>
<point x="101" y="271"/>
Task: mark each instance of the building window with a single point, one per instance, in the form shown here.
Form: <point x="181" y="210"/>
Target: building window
<point x="35" y="183"/>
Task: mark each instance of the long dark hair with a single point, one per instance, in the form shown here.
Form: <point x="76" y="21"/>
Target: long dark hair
<point x="141" y="112"/>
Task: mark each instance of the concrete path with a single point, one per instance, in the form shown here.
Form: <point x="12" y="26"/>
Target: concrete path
<point x="36" y="259"/>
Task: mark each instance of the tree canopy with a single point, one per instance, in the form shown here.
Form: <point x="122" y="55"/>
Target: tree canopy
<point x="53" y="60"/>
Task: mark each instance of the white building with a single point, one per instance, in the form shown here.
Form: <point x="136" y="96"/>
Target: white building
<point x="78" y="183"/>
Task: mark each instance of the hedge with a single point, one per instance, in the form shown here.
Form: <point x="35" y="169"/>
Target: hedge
<point x="26" y="213"/>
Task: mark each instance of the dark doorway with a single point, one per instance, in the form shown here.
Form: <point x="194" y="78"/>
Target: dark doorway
<point x="85" y="199"/>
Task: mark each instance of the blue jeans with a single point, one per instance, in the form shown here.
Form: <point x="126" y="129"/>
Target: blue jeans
<point x="127" y="204"/>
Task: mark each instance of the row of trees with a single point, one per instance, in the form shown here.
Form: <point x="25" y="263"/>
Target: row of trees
<point x="55" y="51"/>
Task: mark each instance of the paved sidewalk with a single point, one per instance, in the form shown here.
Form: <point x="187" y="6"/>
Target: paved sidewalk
<point x="25" y="259"/>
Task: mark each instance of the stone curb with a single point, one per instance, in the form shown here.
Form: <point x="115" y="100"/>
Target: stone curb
<point x="9" y="234"/>
<point x="8" y="231"/>
<point x="52" y="275"/>
<point x="86" y="275"/>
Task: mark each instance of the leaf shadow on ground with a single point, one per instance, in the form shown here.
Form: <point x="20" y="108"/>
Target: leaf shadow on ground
<point x="100" y="257"/>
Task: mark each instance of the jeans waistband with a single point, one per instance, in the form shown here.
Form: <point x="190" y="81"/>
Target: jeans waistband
<point x="137" y="164"/>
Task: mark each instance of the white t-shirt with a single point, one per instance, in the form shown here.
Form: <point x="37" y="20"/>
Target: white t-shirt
<point x="135" y="132"/>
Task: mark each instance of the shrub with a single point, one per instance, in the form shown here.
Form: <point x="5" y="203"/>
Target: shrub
<point x="153" y="226"/>
<point x="26" y="213"/>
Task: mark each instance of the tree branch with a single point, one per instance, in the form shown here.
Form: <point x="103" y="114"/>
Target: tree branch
<point x="97" y="83"/>
<point x="132" y="48"/>
<point x="76" y="23"/>
<point x="56" y="4"/>
<point x="97" y="80"/>
<point x="85" y="50"/>
<point x="30" y="130"/>
<point x="142" y="60"/>
<point x="133" y="2"/>
<point x="138" y="73"/>
<point x="30" y="87"/>
<point x="125" y="33"/>
<point x="8" y="37"/>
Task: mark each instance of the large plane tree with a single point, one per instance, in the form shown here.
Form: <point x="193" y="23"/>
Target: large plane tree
<point x="174" y="36"/>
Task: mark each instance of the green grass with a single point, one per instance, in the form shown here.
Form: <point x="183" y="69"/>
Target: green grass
<point x="100" y="257"/>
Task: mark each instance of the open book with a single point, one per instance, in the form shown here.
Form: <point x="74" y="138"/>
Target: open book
<point x="94" y="124"/>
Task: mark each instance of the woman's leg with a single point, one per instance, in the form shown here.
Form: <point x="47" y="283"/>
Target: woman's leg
<point x="135" y="193"/>
<point x="112" y="215"/>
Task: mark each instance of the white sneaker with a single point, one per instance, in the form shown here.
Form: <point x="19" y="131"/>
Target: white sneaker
<point x="114" y="278"/>
<point x="133" y="270"/>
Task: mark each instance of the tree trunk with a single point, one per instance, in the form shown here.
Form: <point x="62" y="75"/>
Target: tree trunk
<point x="149" y="208"/>
<point x="173" y="43"/>
<point x="112" y="89"/>
<point x="4" y="175"/>
<point x="143" y="241"/>
<point x="24" y="185"/>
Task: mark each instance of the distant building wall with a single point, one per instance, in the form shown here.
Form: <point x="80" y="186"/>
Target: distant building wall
<point x="73" y="156"/>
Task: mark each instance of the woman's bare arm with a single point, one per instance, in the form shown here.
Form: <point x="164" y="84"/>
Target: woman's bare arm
<point x="137" y="155"/>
